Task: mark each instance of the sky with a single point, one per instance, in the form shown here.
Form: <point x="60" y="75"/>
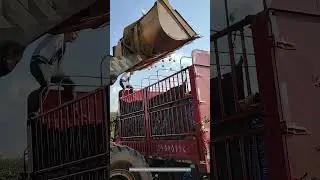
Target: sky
<point x="196" y="14"/>
<point x="84" y="56"/>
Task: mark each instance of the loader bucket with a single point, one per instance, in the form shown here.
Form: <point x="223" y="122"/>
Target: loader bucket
<point x="155" y="35"/>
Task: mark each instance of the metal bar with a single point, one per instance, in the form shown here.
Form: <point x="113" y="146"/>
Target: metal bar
<point x="78" y="173"/>
<point x="238" y="53"/>
<point x="87" y="124"/>
<point x="73" y="143"/>
<point x="230" y="66"/>
<point x="170" y="95"/>
<point x="255" y="162"/>
<point x="67" y="151"/>
<point x="244" y="50"/>
<point x="168" y="103"/>
<point x="179" y="92"/>
<point x="52" y="168"/>
<point x="59" y="136"/>
<point x="258" y="131"/>
<point x="101" y="70"/>
<point x="130" y="137"/>
<point x="96" y="149"/>
<point x="246" y="21"/>
<point x="54" y="136"/>
<point x="69" y="102"/>
<point x="167" y="94"/>
<point x="170" y="75"/>
<point x="233" y="69"/>
<point x="234" y="33"/>
<point x="220" y="90"/>
<point x="179" y="134"/>
<point x="80" y="129"/>
<point x="226" y="144"/>
<point x="243" y="158"/>
<point x="173" y="127"/>
<point x="48" y="143"/>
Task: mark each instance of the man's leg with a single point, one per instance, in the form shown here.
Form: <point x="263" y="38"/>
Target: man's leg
<point x="39" y="72"/>
<point x="122" y="84"/>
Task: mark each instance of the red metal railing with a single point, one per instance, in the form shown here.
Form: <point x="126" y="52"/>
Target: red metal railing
<point x="238" y="149"/>
<point x="169" y="117"/>
<point x="71" y="134"/>
<point x="170" y="112"/>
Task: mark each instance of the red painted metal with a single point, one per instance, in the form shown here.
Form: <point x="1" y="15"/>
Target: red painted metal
<point x="84" y="111"/>
<point x="275" y="135"/>
<point x="70" y="134"/>
<point x="296" y="69"/>
<point x="170" y="119"/>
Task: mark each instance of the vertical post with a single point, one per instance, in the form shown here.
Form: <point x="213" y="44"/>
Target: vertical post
<point x="219" y="77"/>
<point x="101" y="70"/>
<point x="232" y="61"/>
<point x="105" y="124"/>
<point x="246" y="66"/>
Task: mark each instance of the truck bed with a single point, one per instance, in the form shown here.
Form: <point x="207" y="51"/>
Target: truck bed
<point x="162" y="121"/>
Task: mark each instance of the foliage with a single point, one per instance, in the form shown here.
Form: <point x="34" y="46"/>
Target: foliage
<point x="10" y="168"/>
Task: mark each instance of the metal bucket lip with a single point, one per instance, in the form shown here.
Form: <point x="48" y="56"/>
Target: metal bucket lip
<point x="151" y="61"/>
<point x="173" y="13"/>
<point x="182" y="23"/>
<point x="180" y="42"/>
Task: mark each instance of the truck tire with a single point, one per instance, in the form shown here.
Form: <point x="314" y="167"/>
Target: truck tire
<point x="121" y="159"/>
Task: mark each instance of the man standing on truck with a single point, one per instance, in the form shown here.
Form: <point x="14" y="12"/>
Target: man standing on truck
<point x="46" y="61"/>
<point x="46" y="67"/>
<point x="124" y="81"/>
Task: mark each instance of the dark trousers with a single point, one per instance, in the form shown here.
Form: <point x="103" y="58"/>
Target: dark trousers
<point x="39" y="72"/>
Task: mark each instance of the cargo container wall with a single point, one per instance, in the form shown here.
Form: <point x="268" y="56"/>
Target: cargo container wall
<point x="296" y="76"/>
<point x="264" y="119"/>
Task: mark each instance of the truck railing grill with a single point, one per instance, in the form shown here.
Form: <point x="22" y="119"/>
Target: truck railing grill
<point x="69" y="135"/>
<point x="177" y="119"/>
<point x="176" y="110"/>
<point x="169" y="103"/>
<point x="237" y="125"/>
<point x="132" y="127"/>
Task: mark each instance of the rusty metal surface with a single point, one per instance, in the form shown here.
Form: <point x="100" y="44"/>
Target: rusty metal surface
<point x="155" y="35"/>
<point x="266" y="73"/>
<point x="287" y="139"/>
<point x="297" y="39"/>
<point x="309" y="7"/>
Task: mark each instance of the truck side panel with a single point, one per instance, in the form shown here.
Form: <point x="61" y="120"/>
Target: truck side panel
<point x="170" y="118"/>
<point x="73" y="135"/>
<point x="297" y="63"/>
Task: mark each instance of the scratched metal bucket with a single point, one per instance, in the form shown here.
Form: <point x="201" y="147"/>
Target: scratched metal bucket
<point x="155" y="35"/>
